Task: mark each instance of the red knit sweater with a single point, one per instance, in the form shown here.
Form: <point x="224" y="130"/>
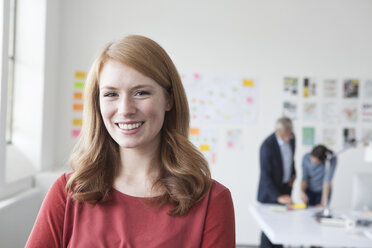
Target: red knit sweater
<point x="130" y="222"/>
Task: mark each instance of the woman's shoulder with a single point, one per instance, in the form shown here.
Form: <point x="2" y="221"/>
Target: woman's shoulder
<point x="218" y="189"/>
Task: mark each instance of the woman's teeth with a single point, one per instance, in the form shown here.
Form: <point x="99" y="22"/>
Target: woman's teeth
<point x="129" y="126"/>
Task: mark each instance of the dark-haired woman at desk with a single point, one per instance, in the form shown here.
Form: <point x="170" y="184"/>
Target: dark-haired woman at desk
<point x="316" y="181"/>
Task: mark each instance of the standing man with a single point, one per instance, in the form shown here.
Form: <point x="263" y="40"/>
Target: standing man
<point x="277" y="170"/>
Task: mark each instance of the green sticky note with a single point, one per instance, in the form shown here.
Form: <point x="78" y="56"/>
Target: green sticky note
<point x="79" y="85"/>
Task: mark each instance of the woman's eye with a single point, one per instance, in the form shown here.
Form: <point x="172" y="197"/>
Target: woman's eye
<point x="142" y="93"/>
<point x="110" y="94"/>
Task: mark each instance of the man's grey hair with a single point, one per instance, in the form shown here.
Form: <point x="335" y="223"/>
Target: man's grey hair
<point x="285" y="124"/>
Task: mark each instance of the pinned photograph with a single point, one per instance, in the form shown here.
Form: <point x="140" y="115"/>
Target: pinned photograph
<point x="330" y="88"/>
<point x="290" y="110"/>
<point x="330" y="113"/>
<point x="349" y="137"/>
<point x="310" y="111"/>
<point x="366" y="112"/>
<point x="308" y="136"/>
<point x="368" y="89"/>
<point x="330" y="136"/>
<point x="290" y="86"/>
<point x="350" y="113"/>
<point x="309" y="89"/>
<point x="351" y="88"/>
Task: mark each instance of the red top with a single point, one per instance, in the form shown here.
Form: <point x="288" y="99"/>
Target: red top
<point x="128" y="221"/>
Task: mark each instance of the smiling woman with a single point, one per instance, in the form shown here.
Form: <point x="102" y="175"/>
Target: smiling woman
<point x="148" y="185"/>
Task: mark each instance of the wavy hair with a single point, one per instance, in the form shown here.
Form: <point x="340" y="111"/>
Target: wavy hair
<point x="184" y="174"/>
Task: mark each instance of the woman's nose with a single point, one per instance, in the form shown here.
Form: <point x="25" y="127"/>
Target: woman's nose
<point x="127" y="106"/>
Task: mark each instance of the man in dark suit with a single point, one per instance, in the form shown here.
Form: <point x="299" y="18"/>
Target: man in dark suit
<point x="277" y="170"/>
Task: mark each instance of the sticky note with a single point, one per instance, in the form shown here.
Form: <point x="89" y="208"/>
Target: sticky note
<point x="204" y="148"/>
<point x="78" y="96"/>
<point x="248" y="83"/>
<point x="75" y="133"/>
<point x="213" y="160"/>
<point x="77" y="122"/>
<point x="298" y="206"/>
<point x="194" y="131"/>
<point x="79" y="74"/>
<point x="79" y="85"/>
<point x="77" y="107"/>
<point x="249" y="100"/>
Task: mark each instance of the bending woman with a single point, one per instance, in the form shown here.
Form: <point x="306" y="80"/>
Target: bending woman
<point x="316" y="181"/>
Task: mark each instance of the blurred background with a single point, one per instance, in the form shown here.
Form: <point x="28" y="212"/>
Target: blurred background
<point x="49" y="45"/>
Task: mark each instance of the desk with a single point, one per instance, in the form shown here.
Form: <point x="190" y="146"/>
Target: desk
<point x="299" y="228"/>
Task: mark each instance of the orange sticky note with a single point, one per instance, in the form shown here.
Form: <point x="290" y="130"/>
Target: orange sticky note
<point x="248" y="83"/>
<point x="194" y="131"/>
<point x="78" y="95"/>
<point x="79" y="74"/>
<point x="77" y="122"/>
<point x="78" y="107"/>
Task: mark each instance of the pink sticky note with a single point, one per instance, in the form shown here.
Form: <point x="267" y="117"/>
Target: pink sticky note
<point x="196" y="76"/>
<point x="249" y="100"/>
<point x="75" y="133"/>
<point x="230" y="144"/>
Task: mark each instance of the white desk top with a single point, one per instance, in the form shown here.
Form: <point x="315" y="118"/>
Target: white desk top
<point x="299" y="227"/>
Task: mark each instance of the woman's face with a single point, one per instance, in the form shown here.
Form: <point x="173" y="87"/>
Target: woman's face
<point x="314" y="160"/>
<point x="132" y="106"/>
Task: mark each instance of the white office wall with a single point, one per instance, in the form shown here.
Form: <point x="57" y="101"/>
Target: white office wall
<point x="268" y="38"/>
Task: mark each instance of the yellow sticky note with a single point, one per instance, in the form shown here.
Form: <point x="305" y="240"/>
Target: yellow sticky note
<point x="194" y="131"/>
<point x="204" y="148"/>
<point x="248" y="83"/>
<point x="77" y="122"/>
<point x="298" y="206"/>
<point x="79" y="74"/>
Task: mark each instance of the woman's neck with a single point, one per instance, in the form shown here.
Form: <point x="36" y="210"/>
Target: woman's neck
<point x="138" y="172"/>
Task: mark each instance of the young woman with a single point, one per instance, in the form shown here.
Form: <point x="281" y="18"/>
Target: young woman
<point x="316" y="181"/>
<point x="137" y="181"/>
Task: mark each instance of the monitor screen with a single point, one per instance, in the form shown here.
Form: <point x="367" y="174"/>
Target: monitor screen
<point x="362" y="192"/>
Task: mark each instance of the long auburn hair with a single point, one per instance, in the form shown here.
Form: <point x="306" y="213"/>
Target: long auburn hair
<point x="184" y="174"/>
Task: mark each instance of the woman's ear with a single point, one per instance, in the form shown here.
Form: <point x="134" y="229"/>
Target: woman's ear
<point x="170" y="101"/>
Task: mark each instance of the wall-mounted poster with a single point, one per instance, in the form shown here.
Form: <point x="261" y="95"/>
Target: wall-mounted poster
<point x="290" y="110"/>
<point x="330" y="113"/>
<point x="309" y="87"/>
<point x="330" y="137"/>
<point x="368" y="89"/>
<point x="205" y="139"/>
<point x="349" y="112"/>
<point x="366" y="112"/>
<point x="367" y="135"/>
<point x="234" y="139"/>
<point x="351" y="88"/>
<point x="330" y="88"/>
<point x="308" y="136"/>
<point x="349" y="137"/>
<point x="309" y="112"/>
<point x="290" y="86"/>
<point x="220" y="98"/>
